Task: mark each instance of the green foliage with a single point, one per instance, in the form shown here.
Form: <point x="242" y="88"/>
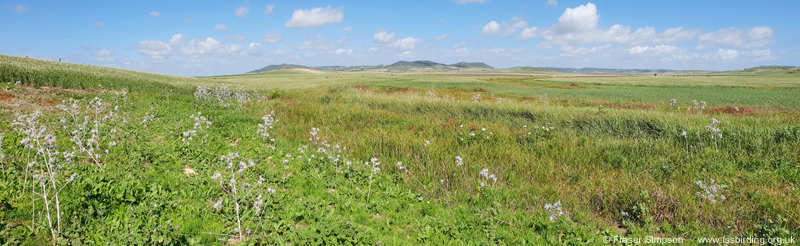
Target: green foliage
<point x="156" y="189"/>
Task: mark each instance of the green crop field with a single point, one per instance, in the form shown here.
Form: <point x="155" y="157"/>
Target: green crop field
<point x="101" y="156"/>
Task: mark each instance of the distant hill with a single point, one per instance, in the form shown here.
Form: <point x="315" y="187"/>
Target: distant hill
<point x="606" y="70"/>
<point x="472" y="65"/>
<point x="271" y="68"/>
<point x="401" y="66"/>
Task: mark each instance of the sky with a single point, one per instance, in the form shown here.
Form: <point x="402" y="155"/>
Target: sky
<point x="202" y="38"/>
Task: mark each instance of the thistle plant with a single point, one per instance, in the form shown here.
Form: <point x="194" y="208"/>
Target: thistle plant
<point x="710" y="192"/>
<point x="245" y="192"/>
<point x="47" y="168"/>
<point x="554" y="210"/>
<point x="222" y="96"/>
<point x="716" y="133"/>
<point x="263" y="129"/>
<point x="374" y="170"/>
<point x="96" y="133"/>
<point x="476" y="98"/>
<point x="197" y="129"/>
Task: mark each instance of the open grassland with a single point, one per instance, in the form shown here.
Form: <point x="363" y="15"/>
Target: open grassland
<point x="401" y="159"/>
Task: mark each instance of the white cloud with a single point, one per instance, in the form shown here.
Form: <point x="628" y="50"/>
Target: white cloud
<point x="269" y="9"/>
<point x="344" y="41"/>
<point x="220" y="27"/>
<point x="236" y="38"/>
<point x="756" y="37"/>
<point x="511" y="28"/>
<point x="441" y="37"/>
<point x="104" y="52"/>
<point x="408" y="43"/>
<point x="159" y="50"/>
<point x="383" y="37"/>
<point x="578" y="26"/>
<point x="344" y="51"/>
<point x="469" y="1"/>
<point x="727" y="54"/>
<point x="568" y="50"/>
<point x="279" y="51"/>
<point x="491" y="29"/>
<point x="272" y="37"/>
<point x="241" y="12"/>
<point x="255" y="49"/>
<point x="318" y="42"/>
<point x="527" y="33"/>
<point x="760" y="55"/>
<point x="348" y="29"/>
<point x="99" y="24"/>
<point x="20" y="8"/>
<point x="552" y="3"/>
<point x="155" y="14"/>
<point x="659" y="50"/>
<point x="544" y="46"/>
<point x="581" y="18"/>
<point x="316" y="17"/>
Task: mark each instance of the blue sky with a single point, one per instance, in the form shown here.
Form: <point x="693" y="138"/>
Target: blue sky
<point x="198" y="38"/>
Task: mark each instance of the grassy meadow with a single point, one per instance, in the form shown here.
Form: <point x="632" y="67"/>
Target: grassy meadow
<point x="118" y="157"/>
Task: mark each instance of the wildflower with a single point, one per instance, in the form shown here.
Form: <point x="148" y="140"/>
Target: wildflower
<point x="271" y="190"/>
<point x="427" y="143"/>
<point x="216" y="175"/>
<point x="673" y="102"/>
<point x="400" y="165"/>
<point x="419" y="198"/>
<point x="459" y="161"/>
<point x="218" y="204"/>
<point x="554" y="209"/>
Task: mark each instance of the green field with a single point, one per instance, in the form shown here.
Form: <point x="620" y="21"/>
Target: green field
<point x="568" y="159"/>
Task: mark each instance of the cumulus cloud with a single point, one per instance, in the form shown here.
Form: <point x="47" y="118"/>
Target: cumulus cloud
<point x="441" y="37"/>
<point x="272" y="37"/>
<point x="269" y="9"/>
<point x="511" y="28"/>
<point x="155" y="14"/>
<point x="387" y="40"/>
<point x="383" y="37"/>
<point x="578" y="26"/>
<point x="318" y="42"/>
<point x="99" y="24"/>
<point x="220" y="27"/>
<point x="348" y="29"/>
<point x="408" y="43"/>
<point x="552" y="3"/>
<point x="177" y="45"/>
<point x="462" y="2"/>
<point x="236" y="38"/>
<point x="316" y="17"/>
<point x="344" y="41"/>
<point x="344" y="51"/>
<point x="20" y="8"/>
<point x="241" y="12"/>
<point x="491" y="29"/>
<point x="255" y="49"/>
<point x="104" y="52"/>
<point x="568" y="50"/>
<point x="756" y="37"/>
<point x="506" y="29"/>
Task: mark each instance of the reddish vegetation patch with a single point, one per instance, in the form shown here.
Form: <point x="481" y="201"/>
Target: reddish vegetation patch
<point x="792" y="118"/>
<point x="6" y="96"/>
<point x="51" y="102"/>
<point x="735" y="111"/>
<point x="574" y="85"/>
